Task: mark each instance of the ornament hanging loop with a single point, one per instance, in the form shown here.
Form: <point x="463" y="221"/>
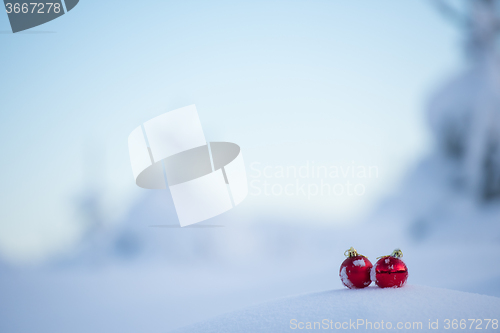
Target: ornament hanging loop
<point x="397" y="253"/>
<point x="352" y="253"/>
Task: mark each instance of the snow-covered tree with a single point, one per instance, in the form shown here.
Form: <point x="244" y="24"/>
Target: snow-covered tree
<point x="465" y="114"/>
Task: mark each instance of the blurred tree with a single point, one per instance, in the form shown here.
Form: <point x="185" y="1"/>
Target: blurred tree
<point x="465" y="114"/>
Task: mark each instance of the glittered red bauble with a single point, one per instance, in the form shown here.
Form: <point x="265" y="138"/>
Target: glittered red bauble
<point x="355" y="270"/>
<point x="390" y="272"/>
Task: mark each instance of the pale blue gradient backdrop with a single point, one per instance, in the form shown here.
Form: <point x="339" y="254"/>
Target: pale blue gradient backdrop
<point x="289" y="81"/>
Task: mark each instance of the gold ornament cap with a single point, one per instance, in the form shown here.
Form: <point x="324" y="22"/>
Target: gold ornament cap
<point x="351" y="252"/>
<point x="397" y="253"/>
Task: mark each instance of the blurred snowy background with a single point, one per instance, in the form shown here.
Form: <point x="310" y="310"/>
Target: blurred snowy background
<point x="410" y="87"/>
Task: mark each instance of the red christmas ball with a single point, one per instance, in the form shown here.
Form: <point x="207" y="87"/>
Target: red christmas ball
<point x="390" y="271"/>
<point x="355" y="270"/>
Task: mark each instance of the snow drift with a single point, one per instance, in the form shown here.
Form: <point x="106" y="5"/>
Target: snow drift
<point x="411" y="308"/>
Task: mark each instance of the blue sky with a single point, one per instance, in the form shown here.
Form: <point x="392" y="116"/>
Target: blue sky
<point x="289" y="81"/>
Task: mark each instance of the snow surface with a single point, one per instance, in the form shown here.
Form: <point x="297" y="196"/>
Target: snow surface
<point x="410" y="304"/>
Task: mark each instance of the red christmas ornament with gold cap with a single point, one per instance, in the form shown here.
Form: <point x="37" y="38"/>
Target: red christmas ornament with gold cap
<point x="355" y="270"/>
<point x="390" y="271"/>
